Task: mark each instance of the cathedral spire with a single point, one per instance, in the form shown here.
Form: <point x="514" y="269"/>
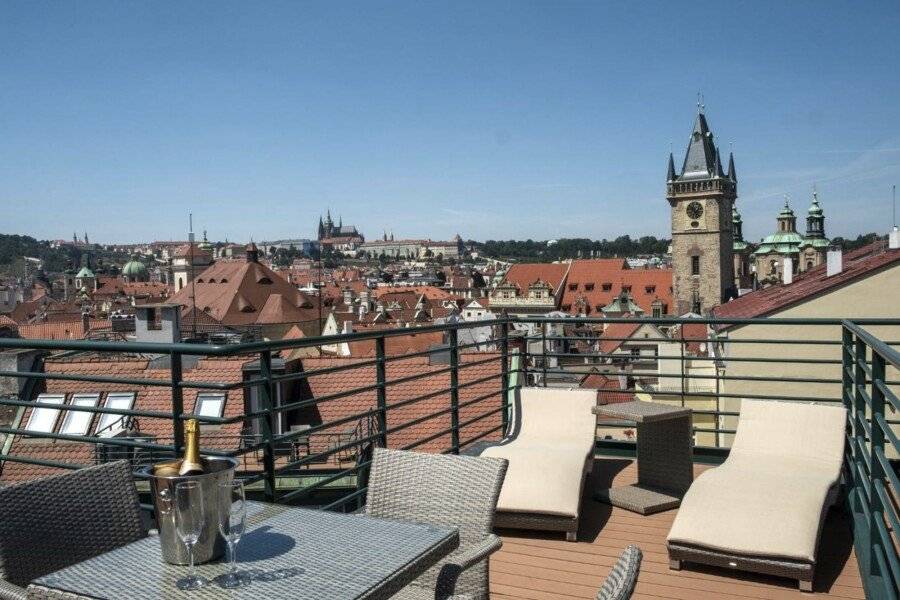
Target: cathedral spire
<point x="700" y="158"/>
<point x="670" y="176"/>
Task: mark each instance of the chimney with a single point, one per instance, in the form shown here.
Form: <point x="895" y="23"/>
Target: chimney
<point x="787" y="271"/>
<point x="894" y="238"/>
<point x="833" y="261"/>
<point x="348" y="327"/>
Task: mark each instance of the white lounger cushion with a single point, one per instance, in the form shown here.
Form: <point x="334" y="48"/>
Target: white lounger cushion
<point x="547" y="456"/>
<point x="767" y="499"/>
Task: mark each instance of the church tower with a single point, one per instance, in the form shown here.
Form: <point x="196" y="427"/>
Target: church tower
<point x="702" y="200"/>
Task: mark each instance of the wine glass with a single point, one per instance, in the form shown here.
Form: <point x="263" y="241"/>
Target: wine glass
<point x="232" y="520"/>
<point x="189" y="525"/>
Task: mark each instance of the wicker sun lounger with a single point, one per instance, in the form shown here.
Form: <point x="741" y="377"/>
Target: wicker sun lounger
<point x="762" y="510"/>
<point x="550" y="452"/>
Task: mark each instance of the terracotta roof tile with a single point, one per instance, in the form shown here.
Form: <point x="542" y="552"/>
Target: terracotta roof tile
<point x="759" y="303"/>
<point x="343" y="381"/>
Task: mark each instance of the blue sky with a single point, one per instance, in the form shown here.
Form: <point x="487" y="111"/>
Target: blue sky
<point x="491" y="119"/>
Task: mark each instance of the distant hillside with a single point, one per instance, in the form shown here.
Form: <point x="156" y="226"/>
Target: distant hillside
<point x="571" y="248"/>
<point x="13" y="248"/>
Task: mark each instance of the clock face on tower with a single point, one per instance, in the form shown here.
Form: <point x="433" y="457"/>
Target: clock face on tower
<point x="694" y="210"/>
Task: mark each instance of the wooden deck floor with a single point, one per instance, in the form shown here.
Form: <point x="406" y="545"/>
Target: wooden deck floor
<point x="543" y="566"/>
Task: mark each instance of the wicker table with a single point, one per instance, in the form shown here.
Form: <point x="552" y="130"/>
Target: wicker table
<point x="665" y="469"/>
<point x="287" y="553"/>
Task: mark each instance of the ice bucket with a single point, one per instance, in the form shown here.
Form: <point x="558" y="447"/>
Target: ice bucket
<point x="211" y="544"/>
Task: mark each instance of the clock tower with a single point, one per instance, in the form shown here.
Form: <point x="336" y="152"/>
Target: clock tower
<point x="701" y="198"/>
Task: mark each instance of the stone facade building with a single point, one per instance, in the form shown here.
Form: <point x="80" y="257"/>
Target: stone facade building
<point x="702" y="201"/>
<point x="788" y="247"/>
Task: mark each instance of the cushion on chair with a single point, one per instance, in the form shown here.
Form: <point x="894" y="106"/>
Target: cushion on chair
<point x="768" y="498"/>
<point x="548" y="452"/>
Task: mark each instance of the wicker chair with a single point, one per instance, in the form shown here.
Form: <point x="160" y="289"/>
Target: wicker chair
<point x="619" y="584"/>
<point x="48" y="524"/>
<point x="458" y="491"/>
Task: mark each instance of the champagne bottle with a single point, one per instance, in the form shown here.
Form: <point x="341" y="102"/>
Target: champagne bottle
<point x="191" y="464"/>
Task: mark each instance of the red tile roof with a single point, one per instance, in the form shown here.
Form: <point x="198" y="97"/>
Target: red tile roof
<point x="344" y="381"/>
<point x="600" y="281"/>
<point x="60" y="330"/>
<point x="608" y="388"/>
<point x="245" y="293"/>
<point x="431" y="292"/>
<point x="860" y="263"/>
<point x="608" y="343"/>
<point x="524" y="274"/>
<point x="147" y="398"/>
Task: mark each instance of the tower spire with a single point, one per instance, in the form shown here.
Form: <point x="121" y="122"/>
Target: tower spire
<point x="732" y="174"/>
<point x="670" y="176"/>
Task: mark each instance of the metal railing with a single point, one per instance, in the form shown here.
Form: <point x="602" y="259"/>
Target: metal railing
<point x="873" y="487"/>
<point x="448" y="397"/>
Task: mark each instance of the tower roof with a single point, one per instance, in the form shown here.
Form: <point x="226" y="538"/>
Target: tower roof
<point x="670" y="175"/>
<point x="814" y="209"/>
<point x="732" y="174"/>
<point x="700" y="158"/>
<point x="787" y="211"/>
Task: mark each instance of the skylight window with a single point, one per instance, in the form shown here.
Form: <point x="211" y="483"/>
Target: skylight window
<point x="76" y="422"/>
<point x="210" y="404"/>
<point x="589" y="287"/>
<point x="111" y="424"/>
<point x="44" y="419"/>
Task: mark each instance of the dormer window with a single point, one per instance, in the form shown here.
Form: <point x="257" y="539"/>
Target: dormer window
<point x="573" y="287"/>
<point x="650" y="289"/>
<point x="607" y="287"/>
<point x="589" y="287"/>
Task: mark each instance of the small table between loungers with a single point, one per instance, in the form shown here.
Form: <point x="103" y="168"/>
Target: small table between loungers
<point x="287" y="553"/>
<point x="665" y="468"/>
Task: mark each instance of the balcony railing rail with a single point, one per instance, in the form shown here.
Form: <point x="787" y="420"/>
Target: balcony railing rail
<point x="708" y="365"/>
<point x="873" y="485"/>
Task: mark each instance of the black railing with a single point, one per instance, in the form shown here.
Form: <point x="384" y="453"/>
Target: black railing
<point x="301" y="441"/>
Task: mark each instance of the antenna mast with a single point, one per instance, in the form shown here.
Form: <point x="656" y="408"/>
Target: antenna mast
<point x="191" y="272"/>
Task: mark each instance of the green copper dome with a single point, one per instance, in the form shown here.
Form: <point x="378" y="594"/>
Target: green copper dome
<point x="85" y="272"/>
<point x="135" y="269"/>
<point x="786" y="211"/>
<point x="814" y="209"/>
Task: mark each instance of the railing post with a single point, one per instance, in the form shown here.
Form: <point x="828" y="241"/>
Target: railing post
<point x="859" y="411"/>
<point x="381" y="379"/>
<point x="454" y="390"/>
<point x="544" y="352"/>
<point x="177" y="403"/>
<point x="525" y="357"/>
<point x="847" y="395"/>
<point x="876" y="471"/>
<point x="504" y="375"/>
<point x="267" y="403"/>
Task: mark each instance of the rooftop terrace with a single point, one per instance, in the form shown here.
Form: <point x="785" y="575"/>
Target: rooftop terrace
<point x="304" y="426"/>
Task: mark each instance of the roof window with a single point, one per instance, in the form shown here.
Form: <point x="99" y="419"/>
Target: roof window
<point x="44" y="419"/>
<point x="77" y="422"/>
<point x="111" y="424"/>
<point x="210" y="404"/>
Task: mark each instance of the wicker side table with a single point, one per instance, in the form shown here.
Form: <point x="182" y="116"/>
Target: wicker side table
<point x="665" y="468"/>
